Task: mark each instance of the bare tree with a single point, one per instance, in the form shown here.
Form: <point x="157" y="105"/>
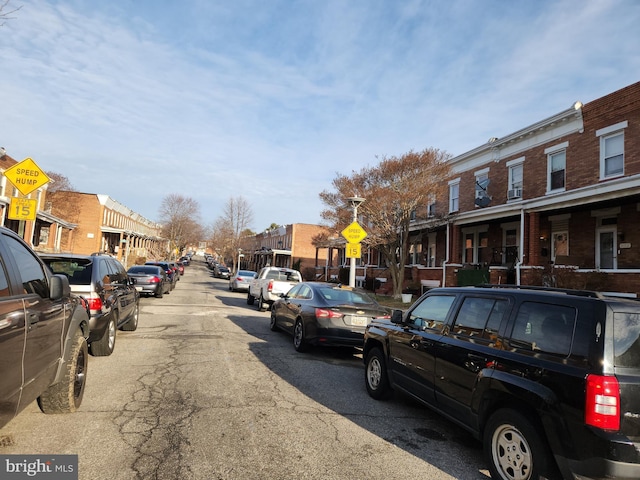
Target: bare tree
<point x="393" y="190"/>
<point x="180" y="219"/>
<point x="231" y="226"/>
<point x="6" y="13"/>
<point x="59" y="182"/>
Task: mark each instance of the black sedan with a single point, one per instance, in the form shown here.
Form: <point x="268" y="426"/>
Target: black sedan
<point x="150" y="279"/>
<point x="319" y="313"/>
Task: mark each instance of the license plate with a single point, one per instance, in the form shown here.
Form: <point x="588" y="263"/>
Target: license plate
<point x="139" y="289"/>
<point x="359" y="321"/>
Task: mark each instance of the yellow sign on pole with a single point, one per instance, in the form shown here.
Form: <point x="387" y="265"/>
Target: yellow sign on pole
<point x="26" y="176"/>
<point x="353" y="250"/>
<point x="354" y="233"/>
<point x="22" y="209"/>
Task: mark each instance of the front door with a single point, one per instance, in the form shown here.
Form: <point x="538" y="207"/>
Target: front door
<point x="606" y="249"/>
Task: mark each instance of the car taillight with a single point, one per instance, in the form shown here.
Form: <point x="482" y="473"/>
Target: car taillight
<point x="95" y="303"/>
<point x="155" y="280"/>
<point x="270" y="286"/>
<point x="602" y="403"/>
<point x="326" y="313"/>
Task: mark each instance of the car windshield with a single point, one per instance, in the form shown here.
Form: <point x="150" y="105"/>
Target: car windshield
<point x="338" y="295"/>
<point x="78" y="271"/>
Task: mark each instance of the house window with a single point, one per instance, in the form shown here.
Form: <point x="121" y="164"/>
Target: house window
<point x="556" y="165"/>
<point x="516" y="167"/>
<point x="612" y="150"/>
<point x="413" y="216"/>
<point x="454" y="196"/>
<point x="431" y="206"/>
<point x="482" y="182"/>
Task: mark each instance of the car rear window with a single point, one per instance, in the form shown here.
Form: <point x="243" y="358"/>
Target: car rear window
<point x="142" y="269"/>
<point x="78" y="271"/>
<point x="626" y="339"/>
<point x="339" y="296"/>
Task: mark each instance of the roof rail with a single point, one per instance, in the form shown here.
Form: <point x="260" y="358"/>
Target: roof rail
<point x="566" y="291"/>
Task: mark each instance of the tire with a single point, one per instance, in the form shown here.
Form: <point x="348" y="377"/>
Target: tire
<point x="514" y="448"/>
<point x="104" y="347"/>
<point x="66" y="395"/>
<point x="261" y="303"/>
<point x="376" y="376"/>
<point x="273" y="326"/>
<point x="160" y="291"/>
<point x="299" y="342"/>
<point x="250" y="299"/>
<point x="132" y="323"/>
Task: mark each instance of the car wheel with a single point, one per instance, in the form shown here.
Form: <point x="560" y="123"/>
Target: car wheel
<point x="105" y="346"/>
<point x="260" y="303"/>
<point x="250" y="299"/>
<point x="273" y="325"/>
<point x="299" y="342"/>
<point x="132" y="323"/>
<point x="160" y="291"/>
<point x="514" y="449"/>
<point x="66" y="395"/>
<point x="376" y="376"/>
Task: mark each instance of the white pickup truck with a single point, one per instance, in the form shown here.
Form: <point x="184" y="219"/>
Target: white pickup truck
<point x="269" y="283"/>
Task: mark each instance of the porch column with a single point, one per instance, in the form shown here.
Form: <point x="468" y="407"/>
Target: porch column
<point x="456" y="254"/>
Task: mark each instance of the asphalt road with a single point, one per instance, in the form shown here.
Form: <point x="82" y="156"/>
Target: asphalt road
<point x="204" y="390"/>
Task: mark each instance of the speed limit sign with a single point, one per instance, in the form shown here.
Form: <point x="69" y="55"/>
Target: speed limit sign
<point x="22" y="209"/>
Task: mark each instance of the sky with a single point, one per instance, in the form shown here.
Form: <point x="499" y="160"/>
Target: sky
<point x="271" y="100"/>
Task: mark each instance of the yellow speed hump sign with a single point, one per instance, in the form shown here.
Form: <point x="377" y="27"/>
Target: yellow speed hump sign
<point x="26" y="176"/>
<point x="354" y="233"/>
<point x="22" y="208"/>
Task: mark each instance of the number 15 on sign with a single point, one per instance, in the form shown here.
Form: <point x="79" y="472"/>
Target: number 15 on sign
<point x="353" y="250"/>
<point x="22" y="209"/>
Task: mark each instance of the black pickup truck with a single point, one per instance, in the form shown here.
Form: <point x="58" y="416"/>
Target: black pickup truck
<point x="547" y="379"/>
<point x="43" y="334"/>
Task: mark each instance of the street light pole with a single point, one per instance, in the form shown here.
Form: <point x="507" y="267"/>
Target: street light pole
<point x="355" y="202"/>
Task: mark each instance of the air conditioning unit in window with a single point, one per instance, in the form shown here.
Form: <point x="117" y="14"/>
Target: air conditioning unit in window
<point x="514" y="193"/>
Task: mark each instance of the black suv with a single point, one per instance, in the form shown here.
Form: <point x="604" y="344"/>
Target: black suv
<point x="43" y="331"/>
<point x="549" y="380"/>
<point x="111" y="294"/>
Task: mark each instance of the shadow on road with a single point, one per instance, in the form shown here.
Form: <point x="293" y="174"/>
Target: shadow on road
<point x="334" y="377"/>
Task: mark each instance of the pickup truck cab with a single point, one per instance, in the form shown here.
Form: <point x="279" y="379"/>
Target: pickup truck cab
<point x="43" y="334"/>
<point x="269" y="283"/>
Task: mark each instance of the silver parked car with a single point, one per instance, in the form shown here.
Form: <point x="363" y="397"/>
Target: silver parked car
<point x="239" y="281"/>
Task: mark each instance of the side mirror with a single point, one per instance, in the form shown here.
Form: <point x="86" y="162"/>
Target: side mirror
<point x="396" y="316"/>
<point x="59" y="287"/>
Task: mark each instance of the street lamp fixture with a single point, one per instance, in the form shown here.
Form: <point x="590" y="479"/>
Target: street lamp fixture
<point x="354" y="202"/>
